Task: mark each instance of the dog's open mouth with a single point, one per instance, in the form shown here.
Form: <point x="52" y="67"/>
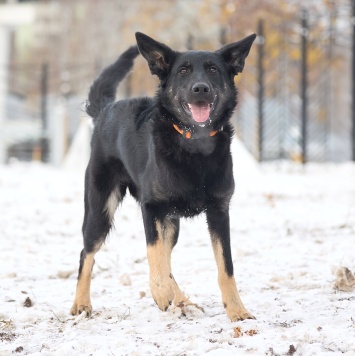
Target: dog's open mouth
<point x="199" y="111"/>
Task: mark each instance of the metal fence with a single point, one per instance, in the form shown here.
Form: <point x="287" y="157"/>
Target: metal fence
<point x="43" y="107"/>
<point x="296" y="104"/>
<point x="294" y="100"/>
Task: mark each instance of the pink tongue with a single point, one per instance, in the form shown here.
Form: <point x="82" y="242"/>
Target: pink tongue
<point x="200" y="112"/>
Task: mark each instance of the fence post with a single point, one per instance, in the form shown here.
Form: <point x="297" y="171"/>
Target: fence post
<point x="4" y="74"/>
<point x="44" y="112"/>
<point x="304" y="84"/>
<point x="261" y="44"/>
<point x="223" y="36"/>
<point x="353" y="82"/>
<point x="328" y="87"/>
<point x="190" y="42"/>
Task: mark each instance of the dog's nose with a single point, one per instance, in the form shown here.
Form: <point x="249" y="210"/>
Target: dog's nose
<point x="200" y="88"/>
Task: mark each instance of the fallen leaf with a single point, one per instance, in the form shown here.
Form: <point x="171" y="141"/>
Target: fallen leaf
<point x="28" y="303"/>
<point x="237" y="332"/>
<point x="345" y="280"/>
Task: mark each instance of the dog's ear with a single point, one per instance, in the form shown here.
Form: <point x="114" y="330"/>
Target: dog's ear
<point x="158" y="55"/>
<point x="235" y="53"/>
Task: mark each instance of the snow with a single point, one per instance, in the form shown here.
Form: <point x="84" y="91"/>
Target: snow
<point x="292" y="229"/>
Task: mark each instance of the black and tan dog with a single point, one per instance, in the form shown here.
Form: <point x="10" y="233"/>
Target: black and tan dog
<point x="172" y="152"/>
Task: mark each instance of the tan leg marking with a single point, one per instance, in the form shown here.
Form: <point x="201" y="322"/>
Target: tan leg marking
<point x="169" y="232"/>
<point x="230" y="296"/>
<point x="163" y="286"/>
<point x="82" y="295"/>
<point x="180" y="300"/>
<point x="160" y="281"/>
<point x="112" y="203"/>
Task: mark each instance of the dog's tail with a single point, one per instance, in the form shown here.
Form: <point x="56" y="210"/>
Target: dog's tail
<point x="103" y="90"/>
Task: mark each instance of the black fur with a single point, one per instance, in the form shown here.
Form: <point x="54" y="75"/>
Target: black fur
<point x="136" y="146"/>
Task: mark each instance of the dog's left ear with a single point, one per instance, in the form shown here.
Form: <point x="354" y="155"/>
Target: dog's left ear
<point x="235" y="53"/>
<point x="158" y="55"/>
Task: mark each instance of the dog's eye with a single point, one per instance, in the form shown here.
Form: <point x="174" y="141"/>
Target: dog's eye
<point x="183" y="70"/>
<point x="213" y="69"/>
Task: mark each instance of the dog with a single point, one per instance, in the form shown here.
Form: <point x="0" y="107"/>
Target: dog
<point x="172" y="152"/>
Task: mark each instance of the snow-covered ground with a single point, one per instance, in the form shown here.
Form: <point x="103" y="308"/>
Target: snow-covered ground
<point x="292" y="229"/>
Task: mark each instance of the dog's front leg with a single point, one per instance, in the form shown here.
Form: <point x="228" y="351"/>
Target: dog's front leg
<point x="218" y="224"/>
<point x="159" y="260"/>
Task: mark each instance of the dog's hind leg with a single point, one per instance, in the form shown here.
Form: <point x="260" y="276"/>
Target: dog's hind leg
<point x="218" y="224"/>
<point x="100" y="206"/>
<point x="82" y="296"/>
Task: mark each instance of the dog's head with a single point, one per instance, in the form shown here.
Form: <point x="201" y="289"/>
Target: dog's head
<point x="196" y="87"/>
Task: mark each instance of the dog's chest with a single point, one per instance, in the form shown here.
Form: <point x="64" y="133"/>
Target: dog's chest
<point x="186" y="206"/>
<point x="181" y="196"/>
<point x="189" y="203"/>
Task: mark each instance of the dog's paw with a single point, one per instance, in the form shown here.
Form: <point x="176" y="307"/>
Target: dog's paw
<point x="237" y="314"/>
<point x="162" y="292"/>
<point x="187" y="306"/>
<point x="77" y="309"/>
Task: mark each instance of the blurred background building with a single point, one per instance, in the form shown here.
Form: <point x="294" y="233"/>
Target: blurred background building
<point x="294" y="96"/>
